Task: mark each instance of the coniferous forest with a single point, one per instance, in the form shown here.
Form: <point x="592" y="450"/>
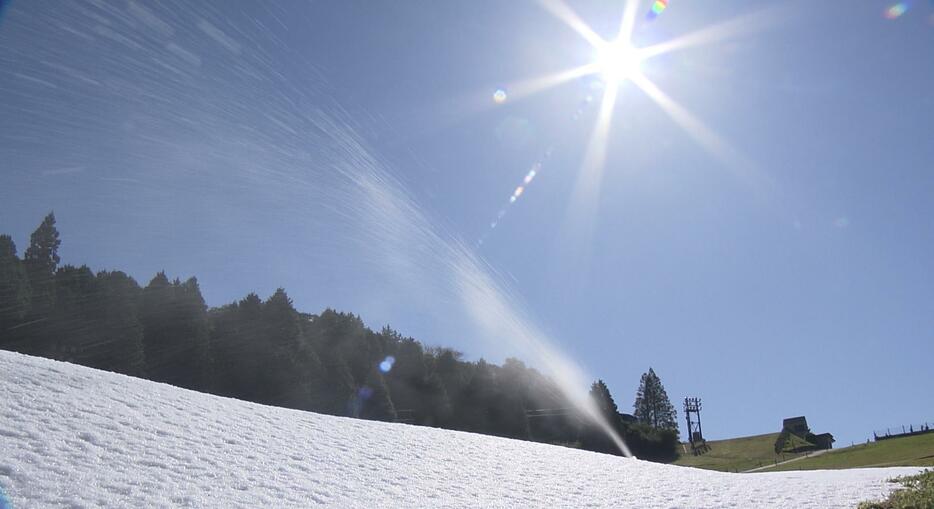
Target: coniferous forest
<point x="266" y="351"/>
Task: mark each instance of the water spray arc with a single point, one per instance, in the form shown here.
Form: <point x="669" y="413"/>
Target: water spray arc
<point x="470" y="283"/>
<point x="271" y="128"/>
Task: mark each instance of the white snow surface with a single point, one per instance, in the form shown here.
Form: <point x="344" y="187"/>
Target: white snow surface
<point x="71" y="436"/>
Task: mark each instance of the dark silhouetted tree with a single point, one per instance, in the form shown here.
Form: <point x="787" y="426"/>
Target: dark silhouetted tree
<point x="14" y="290"/>
<point x="561" y="424"/>
<point x="119" y="343"/>
<point x="41" y="260"/>
<point x="600" y="394"/>
<point x="237" y="349"/>
<point x="414" y="389"/>
<point x="372" y="400"/>
<point x="71" y="330"/>
<point x="512" y="380"/>
<point x="292" y="371"/>
<point x="176" y="333"/>
<point x="595" y="437"/>
<point x="652" y="406"/>
<point x="328" y="334"/>
<point x="470" y="404"/>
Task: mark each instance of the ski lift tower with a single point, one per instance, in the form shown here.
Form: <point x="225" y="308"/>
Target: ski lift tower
<point x="692" y="406"/>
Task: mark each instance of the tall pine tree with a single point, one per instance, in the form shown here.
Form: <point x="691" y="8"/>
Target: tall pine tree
<point x="14" y="290"/>
<point x="119" y="345"/>
<point x="297" y="368"/>
<point x="70" y="328"/>
<point x="176" y="333"/>
<point x="372" y="399"/>
<point x="600" y="394"/>
<point x="594" y="437"/>
<point x="41" y="260"/>
<point x="652" y="406"/>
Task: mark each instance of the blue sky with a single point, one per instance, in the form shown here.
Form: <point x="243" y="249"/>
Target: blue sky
<point x="225" y="140"/>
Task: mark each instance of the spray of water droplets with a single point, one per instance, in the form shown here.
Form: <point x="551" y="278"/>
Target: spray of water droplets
<point x="206" y="108"/>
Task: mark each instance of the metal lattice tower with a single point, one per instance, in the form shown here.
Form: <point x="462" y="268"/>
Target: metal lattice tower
<point x="692" y="406"/>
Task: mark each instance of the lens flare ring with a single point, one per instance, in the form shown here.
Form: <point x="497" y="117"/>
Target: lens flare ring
<point x="386" y="365"/>
<point x="896" y="11"/>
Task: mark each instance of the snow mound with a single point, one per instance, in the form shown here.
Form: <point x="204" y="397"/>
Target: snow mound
<point x="78" y="437"/>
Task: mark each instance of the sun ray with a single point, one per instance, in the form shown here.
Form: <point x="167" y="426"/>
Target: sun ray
<point x="617" y="61"/>
<point x="591" y="174"/>
<point x="628" y="21"/>
<point x="563" y="12"/>
<point x="531" y="86"/>
<point x="455" y="110"/>
<point x="746" y="23"/>
<point x="706" y="137"/>
<point x="580" y="221"/>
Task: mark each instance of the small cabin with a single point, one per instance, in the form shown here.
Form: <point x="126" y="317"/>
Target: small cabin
<point x="627" y="418"/>
<point x="824" y="441"/>
<point x="796" y="426"/>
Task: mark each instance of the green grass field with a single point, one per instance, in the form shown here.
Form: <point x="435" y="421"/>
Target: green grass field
<point x="917" y="491"/>
<point x="908" y="451"/>
<point x="739" y="454"/>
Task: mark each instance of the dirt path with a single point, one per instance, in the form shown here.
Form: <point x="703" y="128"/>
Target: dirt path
<point x="811" y="455"/>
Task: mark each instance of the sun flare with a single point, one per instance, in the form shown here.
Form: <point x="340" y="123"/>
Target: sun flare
<point x="618" y="61"/>
<point x="615" y="63"/>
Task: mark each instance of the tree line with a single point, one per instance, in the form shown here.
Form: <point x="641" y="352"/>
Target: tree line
<point x="266" y="351"/>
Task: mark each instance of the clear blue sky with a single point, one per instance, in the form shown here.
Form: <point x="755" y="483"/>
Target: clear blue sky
<point x="223" y="140"/>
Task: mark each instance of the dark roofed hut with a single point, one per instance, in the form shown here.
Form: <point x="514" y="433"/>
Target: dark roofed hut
<point x="796" y="426"/>
<point x="824" y="441"/>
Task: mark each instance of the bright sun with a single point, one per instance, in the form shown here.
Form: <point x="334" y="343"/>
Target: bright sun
<point x="618" y="61"/>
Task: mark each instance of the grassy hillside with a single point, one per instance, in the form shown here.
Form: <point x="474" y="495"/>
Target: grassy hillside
<point x="918" y="491"/>
<point x="908" y="451"/>
<point x="739" y="454"/>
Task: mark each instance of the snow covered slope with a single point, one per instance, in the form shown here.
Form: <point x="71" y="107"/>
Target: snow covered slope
<point x="77" y="437"/>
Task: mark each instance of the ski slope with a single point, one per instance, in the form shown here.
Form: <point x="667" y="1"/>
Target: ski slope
<point x="71" y="436"/>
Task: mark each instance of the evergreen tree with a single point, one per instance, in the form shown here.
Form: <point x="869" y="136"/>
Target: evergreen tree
<point x="176" y="333"/>
<point x="337" y="392"/>
<point x="407" y="375"/>
<point x="69" y="329"/>
<point x="415" y="389"/>
<point x="195" y="328"/>
<point x="471" y="411"/>
<point x="14" y="290"/>
<point x="290" y="369"/>
<point x="236" y="348"/>
<point x="652" y="406"/>
<point x="594" y="437"/>
<point x="119" y="345"/>
<point x="600" y="394"/>
<point x="326" y="333"/>
<point x="438" y="405"/>
<point x="512" y="380"/>
<point x="563" y="427"/>
<point x="373" y="400"/>
<point x="41" y="260"/>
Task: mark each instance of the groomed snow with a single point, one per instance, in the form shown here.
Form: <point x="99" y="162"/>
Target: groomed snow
<point x="77" y="437"/>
